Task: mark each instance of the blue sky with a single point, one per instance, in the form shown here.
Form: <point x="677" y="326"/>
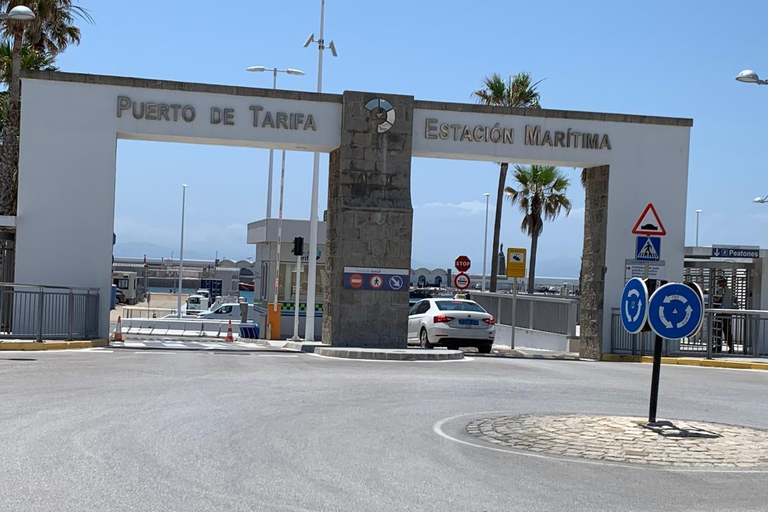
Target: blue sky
<point x="654" y="57"/>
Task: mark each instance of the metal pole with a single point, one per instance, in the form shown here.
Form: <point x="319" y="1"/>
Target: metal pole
<point x="309" y="328"/>
<point x="40" y="314"/>
<point x="181" y="251"/>
<point x="655" y="379"/>
<point x="298" y="301"/>
<point x="698" y="213"/>
<point x="514" y="313"/>
<point x="71" y="315"/>
<point x="279" y="231"/>
<point x="271" y="158"/>
<point x="485" y="239"/>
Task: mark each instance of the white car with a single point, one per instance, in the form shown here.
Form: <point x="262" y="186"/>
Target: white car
<point x="452" y="323"/>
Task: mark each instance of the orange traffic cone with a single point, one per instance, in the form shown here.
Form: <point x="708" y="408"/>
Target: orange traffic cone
<point x="118" y="334"/>
<point x="229" y="332"/>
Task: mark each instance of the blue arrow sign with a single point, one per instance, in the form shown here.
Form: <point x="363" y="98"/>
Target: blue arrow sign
<point x="634" y="305"/>
<point x="720" y="251"/>
<point x="675" y="311"/>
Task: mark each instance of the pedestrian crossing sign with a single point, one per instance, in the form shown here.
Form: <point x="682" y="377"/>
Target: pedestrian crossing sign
<point x="648" y="248"/>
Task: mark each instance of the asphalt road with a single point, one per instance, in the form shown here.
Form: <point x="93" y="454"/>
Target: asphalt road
<point x="198" y="431"/>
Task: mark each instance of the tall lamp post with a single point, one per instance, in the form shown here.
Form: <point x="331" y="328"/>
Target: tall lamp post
<point x="309" y="330"/>
<point x="485" y="238"/>
<point x="274" y="71"/>
<point x="18" y="13"/>
<point x="181" y="250"/>
<point x="698" y="214"/>
<point x="750" y="77"/>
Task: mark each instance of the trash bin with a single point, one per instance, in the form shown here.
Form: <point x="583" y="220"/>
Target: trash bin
<point x="249" y="331"/>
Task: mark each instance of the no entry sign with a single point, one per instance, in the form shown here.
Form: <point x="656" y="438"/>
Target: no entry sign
<point x="461" y="281"/>
<point x="462" y="263"/>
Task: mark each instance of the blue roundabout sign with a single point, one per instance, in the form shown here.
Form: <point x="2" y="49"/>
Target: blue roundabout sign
<point x="634" y="305"/>
<point x="676" y="311"/>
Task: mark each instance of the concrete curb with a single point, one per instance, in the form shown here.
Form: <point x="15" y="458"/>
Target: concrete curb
<point x="516" y="354"/>
<point x="390" y="355"/>
<point x="52" y="345"/>
<point x="303" y="346"/>
<point x="687" y="361"/>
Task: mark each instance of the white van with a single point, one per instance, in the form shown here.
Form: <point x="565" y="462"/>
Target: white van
<point x="227" y="311"/>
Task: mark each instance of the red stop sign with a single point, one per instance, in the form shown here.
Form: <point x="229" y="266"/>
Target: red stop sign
<point x="462" y="263"/>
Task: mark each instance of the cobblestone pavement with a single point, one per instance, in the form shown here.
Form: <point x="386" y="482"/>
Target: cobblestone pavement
<point x="624" y="439"/>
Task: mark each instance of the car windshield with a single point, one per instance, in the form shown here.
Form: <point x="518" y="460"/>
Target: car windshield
<point x="458" y="305"/>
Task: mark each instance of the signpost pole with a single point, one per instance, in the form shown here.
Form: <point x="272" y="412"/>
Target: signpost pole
<point x="655" y="379"/>
<point x="514" y="313"/>
<point x="298" y="300"/>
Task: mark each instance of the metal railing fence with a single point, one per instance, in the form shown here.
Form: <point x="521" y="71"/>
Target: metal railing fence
<point x="48" y="312"/>
<point x="538" y="312"/>
<point x="725" y="332"/>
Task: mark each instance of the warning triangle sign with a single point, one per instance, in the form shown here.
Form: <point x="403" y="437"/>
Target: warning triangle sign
<point x="649" y="223"/>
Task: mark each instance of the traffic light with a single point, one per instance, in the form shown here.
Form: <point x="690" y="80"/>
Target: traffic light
<point x="298" y="246"/>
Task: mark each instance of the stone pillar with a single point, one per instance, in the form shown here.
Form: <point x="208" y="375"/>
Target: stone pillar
<point x="369" y="221"/>
<point x="593" y="268"/>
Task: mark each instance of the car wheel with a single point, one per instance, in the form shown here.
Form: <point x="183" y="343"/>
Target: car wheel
<point x="424" y="339"/>
<point x="485" y="349"/>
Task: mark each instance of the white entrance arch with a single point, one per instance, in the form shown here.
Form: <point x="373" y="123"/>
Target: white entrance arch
<point x="70" y="125"/>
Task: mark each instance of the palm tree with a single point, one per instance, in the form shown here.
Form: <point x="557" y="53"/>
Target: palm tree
<point x="540" y="193"/>
<point x="51" y="31"/>
<point x="30" y="59"/>
<point x="517" y="91"/>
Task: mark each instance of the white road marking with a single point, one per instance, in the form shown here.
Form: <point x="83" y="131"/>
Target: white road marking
<point x="437" y="428"/>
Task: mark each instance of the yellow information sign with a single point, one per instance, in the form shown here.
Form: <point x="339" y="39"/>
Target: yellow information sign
<point x="516" y="262"/>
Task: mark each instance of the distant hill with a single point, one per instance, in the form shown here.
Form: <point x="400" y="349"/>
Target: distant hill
<point x="139" y="249"/>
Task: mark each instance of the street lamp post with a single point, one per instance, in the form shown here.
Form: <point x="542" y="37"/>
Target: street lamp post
<point x="698" y="214"/>
<point x="309" y="328"/>
<point x="750" y="77"/>
<point x="181" y="250"/>
<point x="274" y="71"/>
<point x="18" y="13"/>
<point x="485" y="238"/>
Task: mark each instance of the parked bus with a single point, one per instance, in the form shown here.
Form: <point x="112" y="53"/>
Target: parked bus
<point x="126" y="281"/>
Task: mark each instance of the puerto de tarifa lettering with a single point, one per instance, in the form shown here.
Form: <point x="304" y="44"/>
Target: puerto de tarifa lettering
<point x="534" y="135"/>
<point x="174" y="113"/>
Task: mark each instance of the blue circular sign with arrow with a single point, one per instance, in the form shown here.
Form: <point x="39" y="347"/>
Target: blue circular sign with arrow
<point x="634" y="305"/>
<point x="675" y="311"/>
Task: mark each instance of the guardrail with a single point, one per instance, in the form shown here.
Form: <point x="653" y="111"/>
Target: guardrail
<point x="48" y="312"/>
<point x="725" y="332"/>
<point x="144" y="312"/>
<point x="537" y="312"/>
<point x="184" y="327"/>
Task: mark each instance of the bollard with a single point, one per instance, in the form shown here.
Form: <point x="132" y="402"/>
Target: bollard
<point x="118" y="335"/>
<point x="229" y="332"/>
